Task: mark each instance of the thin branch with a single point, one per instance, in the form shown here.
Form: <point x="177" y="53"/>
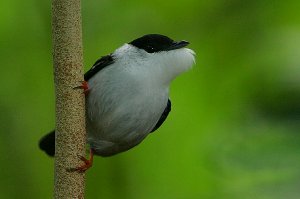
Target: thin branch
<point x="70" y="103"/>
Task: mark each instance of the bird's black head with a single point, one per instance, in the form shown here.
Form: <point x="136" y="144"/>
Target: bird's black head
<point x="154" y="43"/>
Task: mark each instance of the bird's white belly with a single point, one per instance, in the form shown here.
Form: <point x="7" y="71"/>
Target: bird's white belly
<point x="123" y="116"/>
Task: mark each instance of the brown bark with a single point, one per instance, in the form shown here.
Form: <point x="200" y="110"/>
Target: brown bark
<point x="70" y="103"/>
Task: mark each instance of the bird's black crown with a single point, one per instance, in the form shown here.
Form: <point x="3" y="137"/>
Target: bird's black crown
<point x="155" y="42"/>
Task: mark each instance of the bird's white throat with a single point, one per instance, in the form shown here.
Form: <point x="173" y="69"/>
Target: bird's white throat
<point x="160" y="67"/>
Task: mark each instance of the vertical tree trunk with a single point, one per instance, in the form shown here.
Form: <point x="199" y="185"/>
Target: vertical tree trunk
<point x="70" y="103"/>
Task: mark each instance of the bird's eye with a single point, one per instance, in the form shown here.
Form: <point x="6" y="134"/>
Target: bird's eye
<point x="150" y="49"/>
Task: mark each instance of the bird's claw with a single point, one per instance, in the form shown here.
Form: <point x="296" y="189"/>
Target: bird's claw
<point x="87" y="163"/>
<point x="85" y="86"/>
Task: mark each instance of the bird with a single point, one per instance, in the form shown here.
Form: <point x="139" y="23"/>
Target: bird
<point x="127" y="94"/>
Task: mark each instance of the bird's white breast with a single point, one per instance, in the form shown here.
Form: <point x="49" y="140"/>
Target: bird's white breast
<point x="123" y="106"/>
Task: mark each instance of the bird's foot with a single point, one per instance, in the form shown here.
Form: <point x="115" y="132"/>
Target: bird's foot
<point x="85" y="86"/>
<point x="87" y="163"/>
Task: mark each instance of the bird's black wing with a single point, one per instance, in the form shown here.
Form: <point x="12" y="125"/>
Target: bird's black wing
<point x="163" y="117"/>
<point x="99" y="65"/>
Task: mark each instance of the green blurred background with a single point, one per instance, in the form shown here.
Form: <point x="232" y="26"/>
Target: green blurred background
<point x="234" y="127"/>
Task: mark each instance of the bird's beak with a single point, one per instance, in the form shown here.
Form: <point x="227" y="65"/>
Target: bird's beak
<point x="178" y="45"/>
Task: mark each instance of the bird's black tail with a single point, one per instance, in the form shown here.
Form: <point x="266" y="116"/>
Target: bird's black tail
<point x="47" y="143"/>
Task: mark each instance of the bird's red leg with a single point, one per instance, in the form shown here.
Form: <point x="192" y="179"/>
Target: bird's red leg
<point x="87" y="162"/>
<point x="85" y="86"/>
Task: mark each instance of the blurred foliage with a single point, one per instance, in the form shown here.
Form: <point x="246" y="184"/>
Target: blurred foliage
<point x="234" y="127"/>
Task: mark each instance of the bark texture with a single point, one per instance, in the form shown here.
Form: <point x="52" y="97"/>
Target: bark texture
<point x="70" y="103"/>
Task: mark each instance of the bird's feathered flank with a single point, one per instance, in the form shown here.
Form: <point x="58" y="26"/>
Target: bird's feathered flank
<point x="163" y="116"/>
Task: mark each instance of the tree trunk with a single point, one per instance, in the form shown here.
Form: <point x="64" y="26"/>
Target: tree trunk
<point x="70" y="103"/>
